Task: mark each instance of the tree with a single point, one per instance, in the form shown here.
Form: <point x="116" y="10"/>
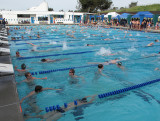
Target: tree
<point x="121" y="8"/>
<point x="115" y="8"/>
<point x="70" y="11"/>
<point x="50" y="9"/>
<point x="133" y="4"/>
<point x="61" y="10"/>
<point x="93" y="5"/>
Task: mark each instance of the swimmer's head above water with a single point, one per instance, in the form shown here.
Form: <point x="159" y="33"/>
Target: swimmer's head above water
<point x="119" y="63"/>
<point x="71" y="72"/>
<point x="89" y="45"/>
<point x="156" y="40"/>
<point x="28" y="75"/>
<point x="17" y="54"/>
<point x="43" y="60"/>
<point x="100" y="66"/>
<point x="38" y="89"/>
<point x="23" y="66"/>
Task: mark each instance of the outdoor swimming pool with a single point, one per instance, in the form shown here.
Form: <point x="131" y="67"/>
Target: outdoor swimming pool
<point x="142" y="104"/>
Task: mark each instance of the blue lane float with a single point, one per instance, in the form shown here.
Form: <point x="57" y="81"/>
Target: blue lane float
<point x="75" y="53"/>
<point x="57" y="107"/>
<point x="32" y="42"/>
<point x="51" y="38"/>
<point x="65" y="105"/>
<point x="50" y="47"/>
<point x="127" y="89"/>
<point x="62" y="69"/>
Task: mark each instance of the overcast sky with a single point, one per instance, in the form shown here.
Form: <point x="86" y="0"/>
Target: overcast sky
<point x="62" y="4"/>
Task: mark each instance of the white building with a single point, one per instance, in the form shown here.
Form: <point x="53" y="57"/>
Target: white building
<point x="41" y="15"/>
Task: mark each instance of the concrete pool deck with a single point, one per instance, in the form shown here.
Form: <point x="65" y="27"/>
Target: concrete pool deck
<point x="9" y="100"/>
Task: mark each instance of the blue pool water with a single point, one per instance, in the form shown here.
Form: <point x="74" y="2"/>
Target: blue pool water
<point x="141" y="104"/>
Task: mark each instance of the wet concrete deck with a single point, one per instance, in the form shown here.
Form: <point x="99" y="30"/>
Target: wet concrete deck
<point x="9" y="100"/>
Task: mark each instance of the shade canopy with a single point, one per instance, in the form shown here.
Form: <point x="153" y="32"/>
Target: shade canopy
<point x="113" y="14"/>
<point x="122" y="16"/>
<point x="146" y="14"/>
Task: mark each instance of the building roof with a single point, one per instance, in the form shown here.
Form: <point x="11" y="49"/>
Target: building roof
<point x="42" y="7"/>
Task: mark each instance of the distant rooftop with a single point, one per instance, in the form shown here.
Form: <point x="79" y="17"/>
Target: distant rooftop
<point x="42" y="7"/>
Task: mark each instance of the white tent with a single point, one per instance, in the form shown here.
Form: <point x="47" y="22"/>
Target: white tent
<point x="113" y="14"/>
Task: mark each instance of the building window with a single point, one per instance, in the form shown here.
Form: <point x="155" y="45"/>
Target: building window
<point x="23" y="15"/>
<point x="42" y="18"/>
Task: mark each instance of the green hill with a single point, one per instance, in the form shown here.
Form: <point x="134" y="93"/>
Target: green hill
<point x="154" y="7"/>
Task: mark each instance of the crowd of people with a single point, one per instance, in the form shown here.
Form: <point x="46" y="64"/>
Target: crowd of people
<point x="147" y="24"/>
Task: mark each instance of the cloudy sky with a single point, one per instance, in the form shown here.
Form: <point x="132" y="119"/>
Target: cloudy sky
<point x="62" y="4"/>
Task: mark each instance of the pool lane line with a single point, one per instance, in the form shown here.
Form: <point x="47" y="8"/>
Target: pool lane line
<point x="74" y="53"/>
<point x="62" y="69"/>
<point x="32" y="43"/>
<point x="57" y="107"/>
<point x="30" y="57"/>
<point x="82" y="46"/>
<point x="126" y="89"/>
<point x="61" y="38"/>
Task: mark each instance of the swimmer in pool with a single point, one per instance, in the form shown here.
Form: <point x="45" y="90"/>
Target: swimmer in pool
<point x="157" y="69"/>
<point x="37" y="90"/>
<point x="106" y="62"/>
<point x="54" y="60"/>
<point x="57" y="114"/>
<point x="98" y="74"/>
<point x="119" y="65"/>
<point x="150" y="44"/>
<point x="23" y="68"/>
<point x="30" y="37"/>
<point x="107" y="39"/>
<point x="73" y="77"/>
<point x="38" y="36"/>
<point x="22" y="37"/>
<point x="29" y="78"/>
<point x="34" y="49"/>
<point x="156" y="40"/>
<point x="18" y="54"/>
<point x="100" y="69"/>
<point x="90" y="45"/>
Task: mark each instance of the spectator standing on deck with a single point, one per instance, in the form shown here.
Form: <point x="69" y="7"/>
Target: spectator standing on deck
<point x="3" y="22"/>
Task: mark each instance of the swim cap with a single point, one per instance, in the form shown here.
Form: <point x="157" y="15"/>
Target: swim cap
<point x="100" y="66"/>
<point x="38" y="88"/>
<point x="23" y="66"/>
<point x="120" y="63"/>
<point x="43" y="60"/>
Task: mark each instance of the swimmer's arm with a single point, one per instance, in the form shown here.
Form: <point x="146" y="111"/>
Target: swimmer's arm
<point x="31" y="44"/>
<point x="17" y="69"/>
<point x="157" y="69"/>
<point x="30" y="94"/>
<point x="51" y="89"/>
<point x="92" y="98"/>
<point x="39" y="78"/>
<point x="21" y="82"/>
<point x="104" y="75"/>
